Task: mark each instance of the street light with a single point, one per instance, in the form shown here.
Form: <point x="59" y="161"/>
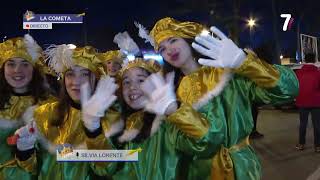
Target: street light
<point x="251" y="23"/>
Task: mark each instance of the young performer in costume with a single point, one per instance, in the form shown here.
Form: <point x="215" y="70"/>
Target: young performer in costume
<point x="221" y="89"/>
<point x="162" y="140"/>
<point x="112" y="61"/>
<point x="58" y="125"/>
<point x="22" y="86"/>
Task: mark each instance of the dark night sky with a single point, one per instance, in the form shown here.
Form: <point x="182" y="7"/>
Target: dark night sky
<point x="106" y="18"/>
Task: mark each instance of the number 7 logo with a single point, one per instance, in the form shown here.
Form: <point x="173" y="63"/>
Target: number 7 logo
<point x="287" y="22"/>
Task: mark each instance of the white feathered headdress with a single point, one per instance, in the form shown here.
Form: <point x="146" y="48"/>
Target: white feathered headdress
<point x="33" y="49"/>
<point x="144" y="33"/>
<point x="59" y="57"/>
<point x="23" y="47"/>
<point x="126" y="44"/>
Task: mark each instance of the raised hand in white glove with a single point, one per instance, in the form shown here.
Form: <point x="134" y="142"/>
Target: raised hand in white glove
<point x="94" y="107"/>
<point x="222" y="50"/>
<point x="26" y="136"/>
<point x="160" y="92"/>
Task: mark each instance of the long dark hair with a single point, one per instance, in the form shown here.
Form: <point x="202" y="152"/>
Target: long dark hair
<point x="65" y="102"/>
<point x="63" y="106"/>
<point x="36" y="87"/>
<point x="178" y="73"/>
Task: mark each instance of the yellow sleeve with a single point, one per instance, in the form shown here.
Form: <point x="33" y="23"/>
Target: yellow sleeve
<point x="112" y="122"/>
<point x="263" y="74"/>
<point x="189" y="121"/>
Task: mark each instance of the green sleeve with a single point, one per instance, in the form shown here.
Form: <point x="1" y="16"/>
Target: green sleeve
<point x="203" y="144"/>
<point x="285" y="90"/>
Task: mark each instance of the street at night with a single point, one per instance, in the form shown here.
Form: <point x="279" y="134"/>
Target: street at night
<point x="277" y="152"/>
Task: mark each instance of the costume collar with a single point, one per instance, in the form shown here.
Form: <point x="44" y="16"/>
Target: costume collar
<point x="202" y="85"/>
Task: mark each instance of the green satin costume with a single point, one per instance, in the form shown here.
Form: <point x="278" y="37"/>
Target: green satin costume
<point x="207" y="137"/>
<point x="224" y="97"/>
<point x="162" y="151"/>
<point x="70" y="132"/>
<point x="10" y="121"/>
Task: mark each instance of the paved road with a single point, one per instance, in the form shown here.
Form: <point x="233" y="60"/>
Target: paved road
<point x="280" y="160"/>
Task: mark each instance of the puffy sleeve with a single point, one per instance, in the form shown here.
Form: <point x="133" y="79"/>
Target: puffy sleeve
<point x="195" y="134"/>
<point x="273" y="84"/>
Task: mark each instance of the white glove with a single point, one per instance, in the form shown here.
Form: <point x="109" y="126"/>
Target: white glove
<point x="160" y="92"/>
<point x="27" y="136"/>
<point x="95" y="106"/>
<point x="222" y="51"/>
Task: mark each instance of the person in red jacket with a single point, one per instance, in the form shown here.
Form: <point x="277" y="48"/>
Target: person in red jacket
<point x="308" y="101"/>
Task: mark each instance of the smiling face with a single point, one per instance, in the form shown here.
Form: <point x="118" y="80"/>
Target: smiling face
<point x="112" y="67"/>
<point x="18" y="74"/>
<point x="176" y="51"/>
<point x="131" y="87"/>
<point x="74" y="78"/>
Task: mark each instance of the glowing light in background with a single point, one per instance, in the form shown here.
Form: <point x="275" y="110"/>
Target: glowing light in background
<point x="130" y="57"/>
<point x="204" y="32"/>
<point x="72" y="46"/>
<point x="156" y="57"/>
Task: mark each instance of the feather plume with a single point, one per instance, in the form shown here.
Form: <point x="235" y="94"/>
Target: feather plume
<point x="32" y="47"/>
<point x="144" y="33"/>
<point x="126" y="43"/>
<point x="59" y="57"/>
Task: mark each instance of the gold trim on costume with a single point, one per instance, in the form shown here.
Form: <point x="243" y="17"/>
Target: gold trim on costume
<point x="70" y="132"/>
<point x="151" y="66"/>
<point x="112" y="56"/>
<point x="30" y="165"/>
<point x="135" y="121"/>
<point x="63" y="57"/>
<point x="22" y="47"/>
<point x="87" y="57"/>
<point x="109" y="122"/>
<point x="189" y="121"/>
<point x="16" y="107"/>
<point x="222" y="165"/>
<point x="196" y="85"/>
<point x="262" y="73"/>
<point x="14" y="48"/>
